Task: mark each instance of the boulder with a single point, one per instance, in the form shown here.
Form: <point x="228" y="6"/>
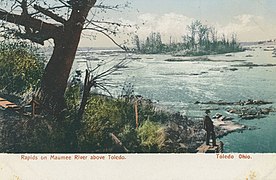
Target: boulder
<point x="174" y="126"/>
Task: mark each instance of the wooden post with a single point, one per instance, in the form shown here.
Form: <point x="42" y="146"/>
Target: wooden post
<point x="136" y="113"/>
<point x="33" y="108"/>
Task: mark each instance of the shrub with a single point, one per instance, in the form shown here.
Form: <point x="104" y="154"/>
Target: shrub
<point x="32" y="135"/>
<point x="130" y="139"/>
<point x="20" y="67"/>
<point x="103" y="115"/>
<point x="72" y="98"/>
<point x="152" y="136"/>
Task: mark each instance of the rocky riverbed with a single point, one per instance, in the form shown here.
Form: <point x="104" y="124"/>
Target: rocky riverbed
<point x="186" y="135"/>
<point x="241" y="102"/>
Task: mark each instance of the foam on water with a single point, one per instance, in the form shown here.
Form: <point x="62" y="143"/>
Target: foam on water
<point x="180" y="84"/>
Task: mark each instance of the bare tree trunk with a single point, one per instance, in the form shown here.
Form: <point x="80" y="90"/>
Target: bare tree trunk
<point x="86" y="91"/>
<point x="54" y="80"/>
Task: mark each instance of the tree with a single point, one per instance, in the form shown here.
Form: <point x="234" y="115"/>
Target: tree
<point x="214" y="38"/>
<point x="60" y="20"/>
<point x="193" y="29"/>
<point x="136" y="42"/>
<point x="158" y="42"/>
<point x="152" y="45"/>
<point x="202" y="34"/>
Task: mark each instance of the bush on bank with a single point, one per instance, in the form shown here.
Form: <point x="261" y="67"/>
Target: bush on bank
<point x="21" y="67"/>
<point x="105" y="115"/>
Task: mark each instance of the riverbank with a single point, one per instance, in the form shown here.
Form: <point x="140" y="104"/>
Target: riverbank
<point x="188" y="138"/>
<point x="182" y="134"/>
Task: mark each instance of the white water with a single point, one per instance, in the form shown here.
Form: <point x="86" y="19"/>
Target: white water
<point x="178" y="85"/>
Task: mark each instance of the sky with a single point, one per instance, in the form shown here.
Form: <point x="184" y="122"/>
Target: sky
<point x="251" y="20"/>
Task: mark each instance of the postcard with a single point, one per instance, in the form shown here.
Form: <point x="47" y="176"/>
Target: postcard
<point x="101" y="89"/>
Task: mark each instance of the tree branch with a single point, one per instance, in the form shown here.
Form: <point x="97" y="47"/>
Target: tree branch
<point x="104" y="89"/>
<point x="26" y="21"/>
<point x="112" y="69"/>
<point x="112" y="7"/>
<point x="36" y="30"/>
<point x="64" y="3"/>
<point x="49" y="14"/>
<point x="37" y="37"/>
<point x="24" y="7"/>
<point x="120" y="46"/>
<point x="110" y="23"/>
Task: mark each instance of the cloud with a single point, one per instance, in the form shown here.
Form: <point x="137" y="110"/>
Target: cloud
<point x="169" y="25"/>
<point x="246" y="26"/>
<point x="244" y="18"/>
<point x="173" y="25"/>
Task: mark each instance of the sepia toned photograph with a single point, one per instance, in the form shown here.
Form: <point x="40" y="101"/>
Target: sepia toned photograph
<point x="115" y="80"/>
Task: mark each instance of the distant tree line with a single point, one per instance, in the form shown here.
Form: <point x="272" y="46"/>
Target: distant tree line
<point x="200" y="40"/>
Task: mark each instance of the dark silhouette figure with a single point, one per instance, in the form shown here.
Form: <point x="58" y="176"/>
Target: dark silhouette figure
<point x="209" y="127"/>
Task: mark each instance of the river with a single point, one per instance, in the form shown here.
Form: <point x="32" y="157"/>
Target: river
<point x="178" y="85"/>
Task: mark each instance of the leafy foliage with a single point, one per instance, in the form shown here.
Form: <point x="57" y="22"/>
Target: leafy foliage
<point x="152" y="136"/>
<point x="72" y="97"/>
<point x="105" y="115"/>
<point x="102" y="116"/>
<point x="21" y="67"/>
<point x="26" y="134"/>
<point x="130" y="139"/>
<point x="200" y="40"/>
<point x="152" y="45"/>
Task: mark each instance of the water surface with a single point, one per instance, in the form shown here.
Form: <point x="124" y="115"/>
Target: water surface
<point x="178" y="85"/>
